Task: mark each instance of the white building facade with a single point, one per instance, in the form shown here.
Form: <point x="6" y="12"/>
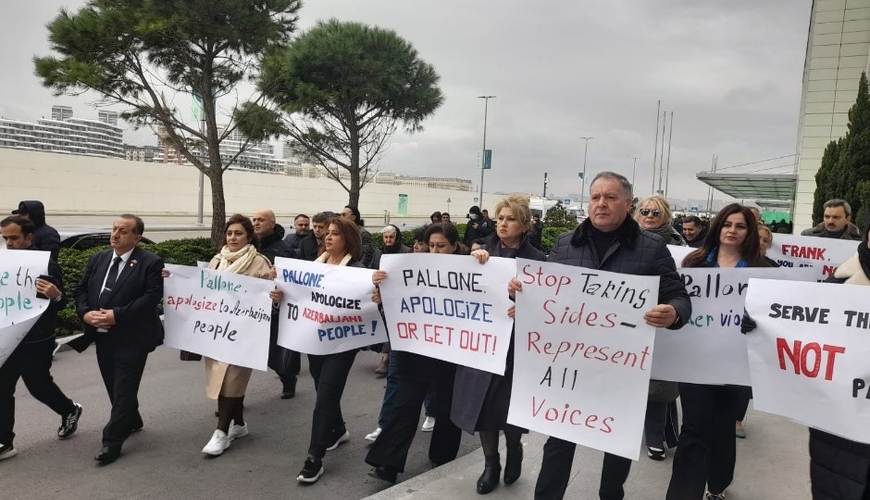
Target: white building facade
<point x="838" y="51"/>
<point x="66" y="135"/>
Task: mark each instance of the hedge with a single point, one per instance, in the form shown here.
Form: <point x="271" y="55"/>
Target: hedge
<point x="547" y="238"/>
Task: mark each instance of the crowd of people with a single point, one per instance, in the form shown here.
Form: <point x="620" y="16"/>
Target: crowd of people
<point x="117" y="300"/>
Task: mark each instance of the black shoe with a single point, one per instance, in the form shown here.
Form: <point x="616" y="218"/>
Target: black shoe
<point x="7" y="451"/>
<point x="311" y="471"/>
<point x="513" y="465"/>
<point x="655" y="453"/>
<point x="289" y="389"/>
<point x="489" y="479"/>
<point x="137" y="428"/>
<point x="384" y="473"/>
<point x="69" y="423"/>
<point x="108" y="455"/>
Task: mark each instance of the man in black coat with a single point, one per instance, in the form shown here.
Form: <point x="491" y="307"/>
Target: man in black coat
<point x="285" y="362"/>
<point x="612" y="241"/>
<point x="117" y="301"/>
<point x="31" y="360"/>
<point x="45" y="237"/>
<point x="302" y="243"/>
<point x="477" y="227"/>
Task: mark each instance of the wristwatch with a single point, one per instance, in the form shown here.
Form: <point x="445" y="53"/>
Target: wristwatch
<point x="57" y="299"/>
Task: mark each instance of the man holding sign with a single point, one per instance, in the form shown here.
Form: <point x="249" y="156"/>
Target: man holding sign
<point x="31" y="361"/>
<point x="612" y="241"/>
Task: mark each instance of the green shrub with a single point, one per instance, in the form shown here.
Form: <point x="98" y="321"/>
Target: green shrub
<point x="73" y="262"/>
<point x="549" y="235"/>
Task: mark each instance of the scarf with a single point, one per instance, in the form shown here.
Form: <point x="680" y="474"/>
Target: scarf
<point x="857" y="269"/>
<point x="238" y="261"/>
<point x="322" y="258"/>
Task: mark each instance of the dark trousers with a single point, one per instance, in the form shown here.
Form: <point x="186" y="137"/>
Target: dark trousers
<point x="556" y="472"/>
<point x="707" y="451"/>
<point x="32" y="363"/>
<point x="285" y="362"/>
<point x="121" y="368"/>
<point x="388" y="403"/>
<point x="661" y="425"/>
<point x="330" y="376"/>
<point x="417" y="373"/>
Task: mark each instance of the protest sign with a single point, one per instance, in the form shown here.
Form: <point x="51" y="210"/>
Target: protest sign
<point x="583" y="355"/>
<point x="326" y="309"/>
<point x="20" y="309"/>
<point x="449" y="307"/>
<point x="679" y="253"/>
<point x="709" y="348"/>
<point x="821" y="254"/>
<point x="224" y="316"/>
<point x="808" y="354"/>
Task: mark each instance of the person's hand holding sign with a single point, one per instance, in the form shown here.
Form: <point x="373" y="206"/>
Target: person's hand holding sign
<point x="661" y="316"/>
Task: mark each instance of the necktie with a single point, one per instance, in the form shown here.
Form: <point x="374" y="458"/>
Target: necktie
<point x="110" y="280"/>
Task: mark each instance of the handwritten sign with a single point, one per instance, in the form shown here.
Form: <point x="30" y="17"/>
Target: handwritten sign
<point x="679" y="253"/>
<point x="20" y="309"/>
<point x="224" y="316"/>
<point x="327" y="309"/>
<point x="821" y="254"/>
<point x="709" y="348"/>
<point x="583" y="355"/>
<point x="449" y="307"/>
<point x="808" y="356"/>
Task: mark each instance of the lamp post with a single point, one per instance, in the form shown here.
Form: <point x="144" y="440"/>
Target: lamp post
<point x="544" y="196"/>
<point x="486" y="99"/>
<point x="448" y="205"/>
<point x="633" y="171"/>
<point x="583" y="188"/>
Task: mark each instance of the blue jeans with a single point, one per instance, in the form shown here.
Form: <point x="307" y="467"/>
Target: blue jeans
<point x="387" y="406"/>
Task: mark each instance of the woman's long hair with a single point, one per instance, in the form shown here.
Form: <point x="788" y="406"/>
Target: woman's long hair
<point x="749" y="249"/>
<point x="350" y="235"/>
<point x="246" y="224"/>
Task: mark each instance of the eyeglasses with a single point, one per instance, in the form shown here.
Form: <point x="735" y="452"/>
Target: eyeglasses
<point x="646" y="211"/>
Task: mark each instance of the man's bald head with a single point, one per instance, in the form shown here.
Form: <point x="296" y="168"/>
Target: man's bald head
<point x="264" y="222"/>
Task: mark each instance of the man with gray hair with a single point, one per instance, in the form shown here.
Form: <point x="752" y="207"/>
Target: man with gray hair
<point x="837" y="222"/>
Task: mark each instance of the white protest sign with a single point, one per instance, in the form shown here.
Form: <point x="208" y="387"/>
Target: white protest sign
<point x="449" y="307"/>
<point x="326" y="309"/>
<point x="583" y="355"/>
<point x="224" y="316"/>
<point x="808" y="355"/>
<point x="824" y="255"/>
<point x="709" y="348"/>
<point x="20" y="309"/>
<point x="679" y="253"/>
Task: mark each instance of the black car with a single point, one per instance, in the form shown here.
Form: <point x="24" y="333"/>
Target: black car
<point x="85" y="238"/>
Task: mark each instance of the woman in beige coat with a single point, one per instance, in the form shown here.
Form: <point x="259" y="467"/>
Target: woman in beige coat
<point x="225" y="382"/>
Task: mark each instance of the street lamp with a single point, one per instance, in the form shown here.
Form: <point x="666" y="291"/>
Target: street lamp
<point x="633" y="171"/>
<point x="448" y="205"/>
<point x="486" y="99"/>
<point x="583" y="188"/>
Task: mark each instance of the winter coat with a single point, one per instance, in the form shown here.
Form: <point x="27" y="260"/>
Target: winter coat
<point x="634" y="251"/>
<point x="471" y="385"/>
<point x="839" y="467"/>
<point x="851" y="233"/>
<point x="274" y="245"/>
<point x="699" y="241"/>
<point x="44" y="327"/>
<point x="670" y="235"/>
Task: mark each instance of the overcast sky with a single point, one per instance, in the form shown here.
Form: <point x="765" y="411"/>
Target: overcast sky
<point x="730" y="71"/>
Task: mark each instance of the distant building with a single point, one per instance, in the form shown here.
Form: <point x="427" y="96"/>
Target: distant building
<point x="64" y="134"/>
<point x="110" y="117"/>
<point x="257" y="156"/>
<point x="141" y="153"/>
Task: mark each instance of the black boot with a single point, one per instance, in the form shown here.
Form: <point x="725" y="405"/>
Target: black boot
<point x="491" y="472"/>
<point x="289" y="389"/>
<point x="513" y="464"/>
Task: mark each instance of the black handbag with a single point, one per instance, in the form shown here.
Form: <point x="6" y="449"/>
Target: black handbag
<point x="189" y="356"/>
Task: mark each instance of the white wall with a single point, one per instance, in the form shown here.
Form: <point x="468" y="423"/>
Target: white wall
<point x="837" y="53"/>
<point x="79" y="185"/>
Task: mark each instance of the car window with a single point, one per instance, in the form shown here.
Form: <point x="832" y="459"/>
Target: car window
<point x="88" y="241"/>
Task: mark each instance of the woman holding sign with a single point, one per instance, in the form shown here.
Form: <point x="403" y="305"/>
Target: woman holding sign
<point x="481" y="399"/>
<point x="707" y="452"/>
<point x="224" y="382"/>
<point x="342" y="246"/>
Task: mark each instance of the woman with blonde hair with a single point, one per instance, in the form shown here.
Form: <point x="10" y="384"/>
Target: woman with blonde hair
<point x="654" y="215"/>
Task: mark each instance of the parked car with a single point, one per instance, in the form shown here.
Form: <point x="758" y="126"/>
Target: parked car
<point x="84" y="238"/>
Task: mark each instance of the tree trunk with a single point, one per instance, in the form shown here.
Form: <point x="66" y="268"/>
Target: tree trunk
<point x="218" y="206"/>
<point x="354" y="168"/>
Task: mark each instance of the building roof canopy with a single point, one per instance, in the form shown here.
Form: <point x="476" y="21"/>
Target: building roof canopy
<point x="752" y="186"/>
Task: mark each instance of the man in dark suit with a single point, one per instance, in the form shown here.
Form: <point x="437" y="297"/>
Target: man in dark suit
<point x="117" y="300"/>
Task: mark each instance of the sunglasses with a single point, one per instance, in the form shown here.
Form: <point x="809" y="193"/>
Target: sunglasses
<point x="646" y="211"/>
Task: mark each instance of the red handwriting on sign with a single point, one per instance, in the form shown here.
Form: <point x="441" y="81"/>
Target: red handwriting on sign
<point x="533" y="276"/>
<point x="829" y="270"/>
<point x="800" y="252"/>
<point x="566" y="415"/>
<point x="578" y="316"/>
<point x="799" y="354"/>
<point x="467" y="340"/>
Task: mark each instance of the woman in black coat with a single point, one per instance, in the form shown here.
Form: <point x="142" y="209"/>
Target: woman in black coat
<point x="481" y="399"/>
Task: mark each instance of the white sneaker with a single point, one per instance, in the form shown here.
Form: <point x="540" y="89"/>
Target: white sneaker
<point x="428" y="424"/>
<point x="374" y="435"/>
<point x="237" y="431"/>
<point x="217" y="444"/>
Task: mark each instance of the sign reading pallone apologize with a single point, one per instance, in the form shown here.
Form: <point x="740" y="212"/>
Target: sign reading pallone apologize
<point x="808" y="355"/>
<point x="224" y="316"/>
<point x="19" y="306"/>
<point x="327" y="309"/>
<point x="583" y="355"/>
<point x="449" y="307"/>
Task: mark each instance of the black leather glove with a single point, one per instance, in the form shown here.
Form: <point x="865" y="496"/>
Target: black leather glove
<point x="747" y="324"/>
